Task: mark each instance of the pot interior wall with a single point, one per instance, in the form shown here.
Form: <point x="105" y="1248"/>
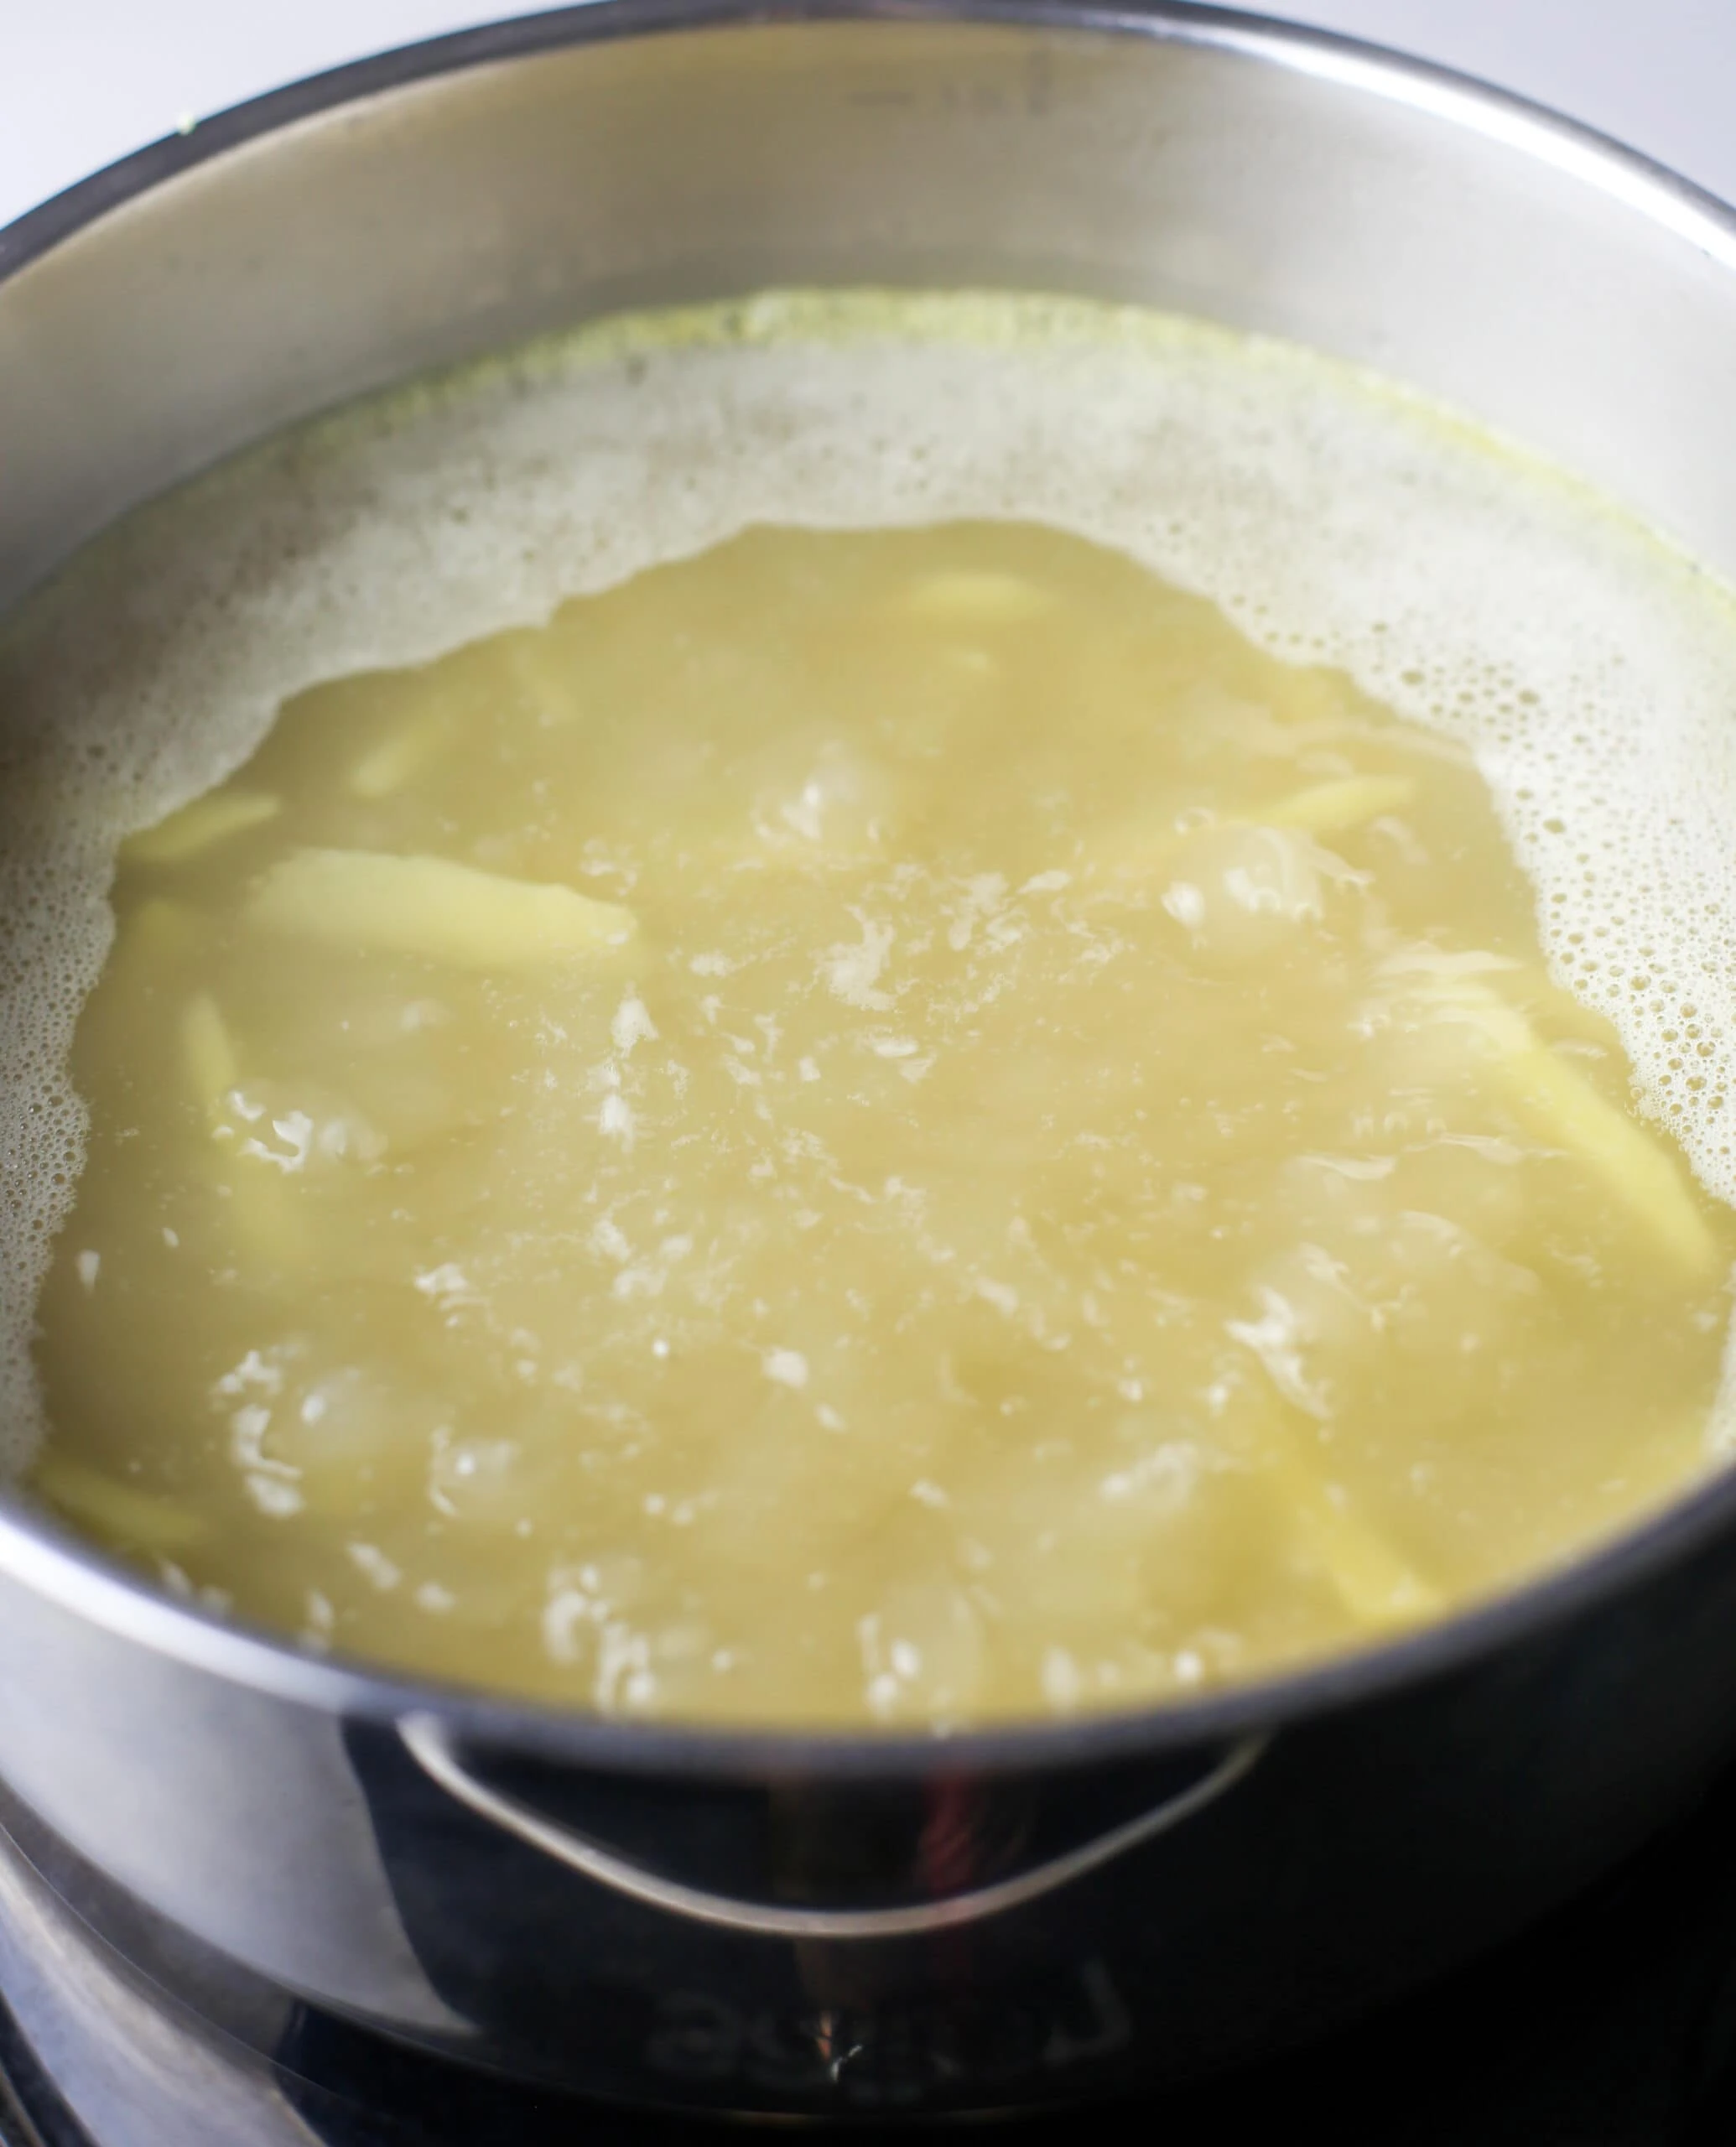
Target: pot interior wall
<point x="1265" y="180"/>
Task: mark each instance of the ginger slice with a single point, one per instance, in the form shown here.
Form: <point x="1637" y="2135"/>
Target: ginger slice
<point x="1376" y="1584"/>
<point x="395" y="760"/>
<point x="208" y="1052"/>
<point x="430" y="907"/>
<point x="1324" y="808"/>
<point x="1371" y="1577"/>
<point x="265" y="1213"/>
<point x="1564" y="1106"/>
<point x="1332" y="808"/>
<point x="200" y="826"/>
<point x="118" y="1511"/>
<point x="981" y="598"/>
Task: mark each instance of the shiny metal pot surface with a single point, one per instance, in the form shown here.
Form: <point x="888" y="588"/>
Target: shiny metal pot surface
<point x="827" y="1925"/>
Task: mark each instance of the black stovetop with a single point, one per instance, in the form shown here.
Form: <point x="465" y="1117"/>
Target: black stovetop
<point x="1612" y="2026"/>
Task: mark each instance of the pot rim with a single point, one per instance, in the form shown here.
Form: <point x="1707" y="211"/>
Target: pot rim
<point x="37" y="1554"/>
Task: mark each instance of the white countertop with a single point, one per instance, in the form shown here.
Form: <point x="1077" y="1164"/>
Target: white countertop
<point x="83" y="81"/>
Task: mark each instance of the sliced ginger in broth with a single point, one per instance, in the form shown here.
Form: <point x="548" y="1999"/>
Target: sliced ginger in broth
<point x="888" y="1127"/>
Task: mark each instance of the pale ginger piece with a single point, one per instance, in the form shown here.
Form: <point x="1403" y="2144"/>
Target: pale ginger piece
<point x="117" y="1511"/>
<point x="264" y="1212"/>
<point x="962" y="597"/>
<point x="208" y="1052"/>
<point x="1646" y="1177"/>
<point x="267" y="1215"/>
<point x="534" y="664"/>
<point x="433" y="910"/>
<point x="1372" y="1579"/>
<point x="1334" y="809"/>
<point x="395" y="760"/>
<point x="1564" y="1104"/>
<point x="1415" y="745"/>
<point x="200" y="826"/>
<point x="1141" y="851"/>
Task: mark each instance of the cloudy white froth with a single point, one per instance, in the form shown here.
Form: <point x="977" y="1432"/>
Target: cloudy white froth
<point x="1592" y="671"/>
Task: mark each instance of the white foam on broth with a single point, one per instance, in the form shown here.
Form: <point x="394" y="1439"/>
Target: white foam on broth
<point x="1334" y="519"/>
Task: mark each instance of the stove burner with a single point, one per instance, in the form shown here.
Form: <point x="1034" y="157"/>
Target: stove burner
<point x="1612" y="2026"/>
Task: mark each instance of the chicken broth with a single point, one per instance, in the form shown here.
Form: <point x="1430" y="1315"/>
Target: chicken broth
<point x="893" y="1123"/>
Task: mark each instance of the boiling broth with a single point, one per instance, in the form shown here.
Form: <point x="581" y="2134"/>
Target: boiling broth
<point x="904" y="1124"/>
<point x="894" y="1124"/>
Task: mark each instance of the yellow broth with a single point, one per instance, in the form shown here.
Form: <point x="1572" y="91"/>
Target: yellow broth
<point x="890" y="1127"/>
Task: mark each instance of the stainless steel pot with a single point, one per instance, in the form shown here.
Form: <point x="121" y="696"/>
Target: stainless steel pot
<point x="308" y="1851"/>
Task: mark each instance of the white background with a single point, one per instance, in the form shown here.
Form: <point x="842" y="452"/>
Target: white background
<point x="82" y="81"/>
